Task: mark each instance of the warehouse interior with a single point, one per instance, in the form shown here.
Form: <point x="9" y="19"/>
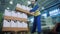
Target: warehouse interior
<point x="50" y="16"/>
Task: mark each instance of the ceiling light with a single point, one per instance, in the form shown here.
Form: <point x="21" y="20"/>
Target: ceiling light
<point x="29" y="2"/>
<point x="11" y="2"/>
<point x="45" y="15"/>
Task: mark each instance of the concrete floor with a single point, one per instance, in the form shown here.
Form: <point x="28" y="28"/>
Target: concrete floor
<point x="22" y="33"/>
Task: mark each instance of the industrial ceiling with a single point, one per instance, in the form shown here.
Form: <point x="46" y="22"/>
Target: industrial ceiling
<point x="42" y="3"/>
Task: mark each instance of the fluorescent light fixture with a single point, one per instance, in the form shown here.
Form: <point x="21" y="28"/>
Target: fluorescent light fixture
<point x="45" y="15"/>
<point x="29" y="2"/>
<point x="54" y="12"/>
<point x="11" y="2"/>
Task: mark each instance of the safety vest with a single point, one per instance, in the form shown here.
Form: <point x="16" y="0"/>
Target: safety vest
<point x="37" y="12"/>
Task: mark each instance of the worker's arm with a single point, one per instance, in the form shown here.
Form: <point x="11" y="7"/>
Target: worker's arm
<point x="34" y="8"/>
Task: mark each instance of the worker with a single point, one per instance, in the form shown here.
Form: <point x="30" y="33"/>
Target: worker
<point x="37" y="16"/>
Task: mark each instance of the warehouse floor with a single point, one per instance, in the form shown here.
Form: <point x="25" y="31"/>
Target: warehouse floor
<point x="22" y="33"/>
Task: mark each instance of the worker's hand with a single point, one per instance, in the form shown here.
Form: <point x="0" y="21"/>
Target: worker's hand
<point x="32" y="13"/>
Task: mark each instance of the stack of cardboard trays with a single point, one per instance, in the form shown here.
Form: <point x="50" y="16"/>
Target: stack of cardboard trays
<point x="15" y="14"/>
<point x="11" y="23"/>
<point x="17" y="24"/>
<point x="23" y="7"/>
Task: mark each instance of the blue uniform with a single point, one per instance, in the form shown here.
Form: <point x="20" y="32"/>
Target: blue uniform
<point x="37" y="21"/>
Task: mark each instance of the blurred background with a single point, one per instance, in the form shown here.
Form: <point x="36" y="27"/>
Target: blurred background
<point x="50" y="12"/>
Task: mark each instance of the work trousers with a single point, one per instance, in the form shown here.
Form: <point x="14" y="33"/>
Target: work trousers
<point x="36" y="24"/>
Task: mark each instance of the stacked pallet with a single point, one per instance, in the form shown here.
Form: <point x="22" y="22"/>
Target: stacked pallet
<point x="15" y="21"/>
<point x="24" y="9"/>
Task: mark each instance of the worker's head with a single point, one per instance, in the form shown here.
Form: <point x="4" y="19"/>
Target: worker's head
<point x="33" y="1"/>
